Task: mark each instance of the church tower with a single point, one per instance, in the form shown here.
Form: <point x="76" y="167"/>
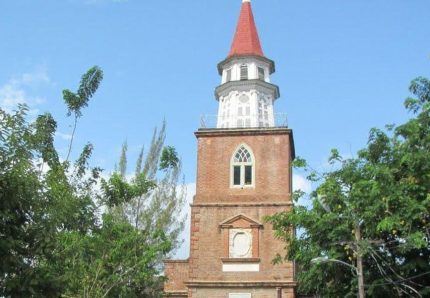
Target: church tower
<point x="243" y="175"/>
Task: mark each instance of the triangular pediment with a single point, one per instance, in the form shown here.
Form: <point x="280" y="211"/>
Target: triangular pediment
<point x="240" y="220"/>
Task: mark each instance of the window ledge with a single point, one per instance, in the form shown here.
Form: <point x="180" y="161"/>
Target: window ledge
<point x="240" y="260"/>
<point x="242" y="186"/>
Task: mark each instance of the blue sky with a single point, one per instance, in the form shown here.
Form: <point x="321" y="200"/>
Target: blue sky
<point x="342" y="66"/>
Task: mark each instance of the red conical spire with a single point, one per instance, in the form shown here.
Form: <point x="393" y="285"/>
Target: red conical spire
<point x="246" y="40"/>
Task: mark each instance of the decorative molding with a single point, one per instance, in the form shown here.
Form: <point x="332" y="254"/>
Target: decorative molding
<point x="244" y="260"/>
<point x="214" y="132"/>
<point x="229" y="222"/>
<point x="223" y="63"/>
<point x="249" y="84"/>
<point x="269" y="204"/>
<point x="240" y="284"/>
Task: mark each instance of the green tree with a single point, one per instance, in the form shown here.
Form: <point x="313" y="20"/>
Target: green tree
<point x="159" y="207"/>
<point x="40" y="200"/>
<point x="370" y="210"/>
<point x="75" y="102"/>
<point x="58" y="234"/>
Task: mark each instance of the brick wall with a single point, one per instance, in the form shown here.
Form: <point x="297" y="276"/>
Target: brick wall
<point x="272" y="149"/>
<point x="216" y="201"/>
<point x="208" y="247"/>
<point x="177" y="274"/>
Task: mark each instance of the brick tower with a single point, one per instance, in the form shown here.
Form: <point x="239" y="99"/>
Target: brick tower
<point x="243" y="174"/>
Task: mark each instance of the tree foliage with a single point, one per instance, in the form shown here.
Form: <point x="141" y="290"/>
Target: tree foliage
<point x="159" y="206"/>
<point x="78" y="100"/>
<point x="385" y="192"/>
<point x="59" y="232"/>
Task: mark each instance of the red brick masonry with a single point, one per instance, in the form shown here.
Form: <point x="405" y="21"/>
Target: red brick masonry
<point x="217" y="207"/>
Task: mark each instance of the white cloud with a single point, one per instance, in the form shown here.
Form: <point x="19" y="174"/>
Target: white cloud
<point x="15" y="92"/>
<point x="38" y="77"/>
<point x="11" y="96"/>
<point x="64" y="136"/>
<point x="301" y="183"/>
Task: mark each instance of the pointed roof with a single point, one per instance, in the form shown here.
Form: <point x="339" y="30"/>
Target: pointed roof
<point x="246" y="40"/>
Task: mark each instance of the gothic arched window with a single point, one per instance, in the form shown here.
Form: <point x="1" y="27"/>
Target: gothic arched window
<point x="242" y="167"/>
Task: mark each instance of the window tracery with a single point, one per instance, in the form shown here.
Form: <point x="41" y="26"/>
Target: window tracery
<point x="242" y="167"/>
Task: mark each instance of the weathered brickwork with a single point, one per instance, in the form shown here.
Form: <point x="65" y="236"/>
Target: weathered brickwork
<point x="207" y="258"/>
<point x="179" y="271"/>
<point x="272" y="149"/>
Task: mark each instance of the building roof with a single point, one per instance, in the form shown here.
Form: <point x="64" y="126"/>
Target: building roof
<point x="246" y="41"/>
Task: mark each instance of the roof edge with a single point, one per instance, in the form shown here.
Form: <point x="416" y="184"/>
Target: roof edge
<point x="254" y="82"/>
<point x="234" y="57"/>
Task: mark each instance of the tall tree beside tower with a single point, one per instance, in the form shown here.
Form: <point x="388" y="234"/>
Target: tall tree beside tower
<point x="159" y="172"/>
<point x="371" y="213"/>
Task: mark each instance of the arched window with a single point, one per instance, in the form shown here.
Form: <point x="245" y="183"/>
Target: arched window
<point x="242" y="167"/>
<point x="263" y="112"/>
<point x="243" y="112"/>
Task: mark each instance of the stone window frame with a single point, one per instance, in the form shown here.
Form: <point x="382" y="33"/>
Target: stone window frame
<point x="234" y="163"/>
<point x="239" y="222"/>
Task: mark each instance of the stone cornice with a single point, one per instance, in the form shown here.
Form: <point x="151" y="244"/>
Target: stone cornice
<point x="175" y="294"/>
<point x="232" y="58"/>
<point x="176" y="261"/>
<point x="239" y="284"/>
<point x="215" y="132"/>
<point x="266" y="204"/>
<point x="243" y="260"/>
<point x="235" y="85"/>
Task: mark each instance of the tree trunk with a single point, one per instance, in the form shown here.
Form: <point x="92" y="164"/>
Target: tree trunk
<point x="360" y="273"/>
